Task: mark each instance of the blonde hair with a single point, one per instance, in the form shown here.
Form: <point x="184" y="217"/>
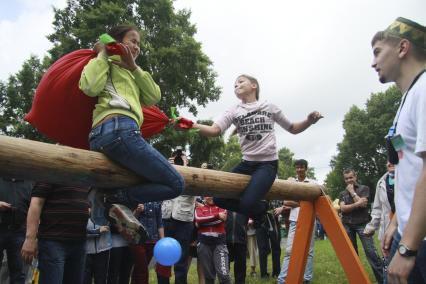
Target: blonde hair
<point x="253" y="81"/>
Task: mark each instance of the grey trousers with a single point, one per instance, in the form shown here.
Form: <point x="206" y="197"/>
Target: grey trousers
<point x="214" y="260"/>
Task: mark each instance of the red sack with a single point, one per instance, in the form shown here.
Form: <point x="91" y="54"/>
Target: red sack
<point x="154" y="121"/>
<point x="62" y="112"/>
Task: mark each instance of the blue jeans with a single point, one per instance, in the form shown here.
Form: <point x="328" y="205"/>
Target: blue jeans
<point x="373" y="258"/>
<point x="309" y="269"/>
<point x="61" y="261"/>
<point x="119" y="138"/>
<point x="11" y="241"/>
<point x="320" y="232"/>
<point x="263" y="175"/>
<point x="418" y="274"/>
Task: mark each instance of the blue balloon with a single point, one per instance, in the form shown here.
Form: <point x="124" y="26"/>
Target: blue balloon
<point x="167" y="251"/>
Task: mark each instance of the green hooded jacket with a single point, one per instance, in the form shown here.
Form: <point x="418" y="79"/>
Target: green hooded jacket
<point x="119" y="90"/>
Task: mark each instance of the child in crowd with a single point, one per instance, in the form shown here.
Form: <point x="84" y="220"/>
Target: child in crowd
<point x="121" y="88"/>
<point x="149" y="214"/>
<point x="252" y="247"/>
<point x="254" y="122"/>
<point x="99" y="242"/>
<point x="212" y="251"/>
<point x="178" y="220"/>
<point x="236" y="242"/>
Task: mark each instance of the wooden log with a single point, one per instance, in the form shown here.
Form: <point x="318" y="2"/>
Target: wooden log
<point x="37" y="161"/>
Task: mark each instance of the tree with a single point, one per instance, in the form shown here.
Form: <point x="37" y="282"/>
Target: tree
<point x="286" y="166"/>
<point x="168" y="51"/>
<point x="286" y="163"/>
<point x="204" y="149"/>
<point x="201" y="149"/>
<point x="363" y="146"/>
<point x="232" y="154"/>
<point x="16" y="98"/>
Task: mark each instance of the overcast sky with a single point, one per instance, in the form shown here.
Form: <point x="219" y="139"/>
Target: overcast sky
<point x="307" y="55"/>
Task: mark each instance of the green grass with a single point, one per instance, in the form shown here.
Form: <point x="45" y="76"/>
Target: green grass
<point x="327" y="268"/>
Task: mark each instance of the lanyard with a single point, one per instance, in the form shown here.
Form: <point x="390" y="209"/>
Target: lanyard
<point x="392" y="130"/>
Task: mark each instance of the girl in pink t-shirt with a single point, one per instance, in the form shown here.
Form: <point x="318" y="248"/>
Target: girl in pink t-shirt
<point x="254" y="122"/>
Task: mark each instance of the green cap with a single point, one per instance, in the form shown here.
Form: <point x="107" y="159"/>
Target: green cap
<point x="409" y="30"/>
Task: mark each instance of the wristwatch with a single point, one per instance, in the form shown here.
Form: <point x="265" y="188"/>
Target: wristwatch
<point x="403" y="250"/>
<point x="354" y="195"/>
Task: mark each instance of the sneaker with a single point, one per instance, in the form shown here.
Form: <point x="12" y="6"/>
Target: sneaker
<point x="127" y="224"/>
<point x="253" y="274"/>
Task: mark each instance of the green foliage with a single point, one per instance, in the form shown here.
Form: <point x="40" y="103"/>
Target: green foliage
<point x="286" y="164"/>
<point x="201" y="149"/>
<point x="363" y="145"/>
<point x="286" y="167"/>
<point x="16" y="99"/>
<point x="168" y="48"/>
<point x="168" y="51"/>
<point x="169" y="139"/>
<point x="210" y="150"/>
<point x="232" y="154"/>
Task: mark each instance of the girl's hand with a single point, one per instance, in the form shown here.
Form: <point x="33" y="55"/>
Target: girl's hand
<point x="127" y="59"/>
<point x="314" y="116"/>
<point x="182" y="123"/>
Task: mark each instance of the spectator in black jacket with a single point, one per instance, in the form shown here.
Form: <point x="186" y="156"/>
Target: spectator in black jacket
<point x="268" y="240"/>
<point x="14" y="202"/>
<point x="236" y="241"/>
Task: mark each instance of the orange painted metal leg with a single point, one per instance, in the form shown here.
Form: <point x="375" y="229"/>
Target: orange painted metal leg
<point x="339" y="239"/>
<point x="301" y="243"/>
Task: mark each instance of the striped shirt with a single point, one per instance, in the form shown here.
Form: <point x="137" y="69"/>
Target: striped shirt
<point x="65" y="212"/>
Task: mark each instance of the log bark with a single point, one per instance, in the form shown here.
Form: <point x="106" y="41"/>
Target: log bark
<point x="37" y="161"/>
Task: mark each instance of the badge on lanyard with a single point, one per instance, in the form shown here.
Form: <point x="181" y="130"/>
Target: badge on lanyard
<point x="397" y="142"/>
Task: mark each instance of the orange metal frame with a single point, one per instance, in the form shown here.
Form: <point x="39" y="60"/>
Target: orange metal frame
<point x="342" y="245"/>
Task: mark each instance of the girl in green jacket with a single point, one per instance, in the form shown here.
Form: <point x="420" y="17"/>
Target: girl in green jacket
<point x="122" y="87"/>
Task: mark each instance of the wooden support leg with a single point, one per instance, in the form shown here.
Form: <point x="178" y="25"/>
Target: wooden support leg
<point x="301" y="243"/>
<point x="340" y="241"/>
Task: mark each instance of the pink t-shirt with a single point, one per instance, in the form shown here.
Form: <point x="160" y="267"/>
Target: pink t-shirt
<point x="255" y="128"/>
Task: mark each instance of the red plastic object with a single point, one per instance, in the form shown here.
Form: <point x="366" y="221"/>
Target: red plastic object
<point x="113" y="49"/>
<point x="154" y="121"/>
<point x="62" y="112"/>
<point x="184" y="123"/>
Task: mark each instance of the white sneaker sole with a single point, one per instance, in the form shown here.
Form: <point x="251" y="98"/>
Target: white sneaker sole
<point x="127" y="224"/>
